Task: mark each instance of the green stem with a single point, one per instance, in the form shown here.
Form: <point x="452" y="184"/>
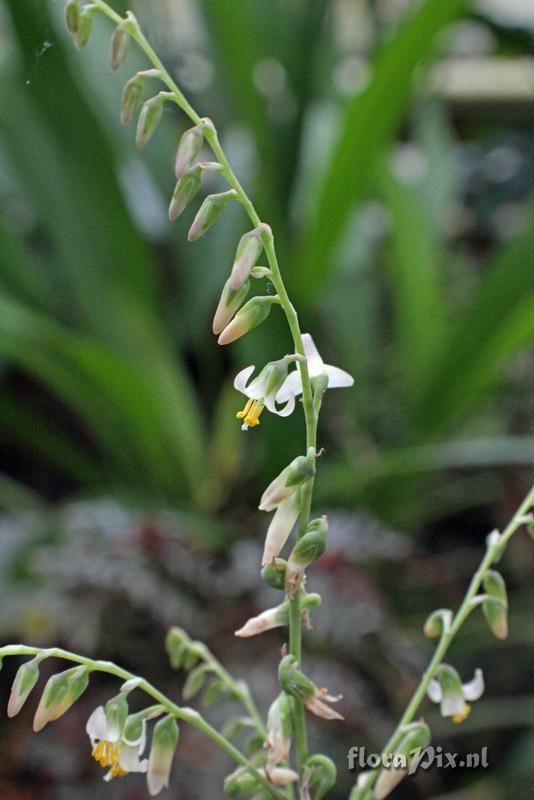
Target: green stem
<point x="295" y="627"/>
<point x="493" y="552"/>
<point x="188" y="715"/>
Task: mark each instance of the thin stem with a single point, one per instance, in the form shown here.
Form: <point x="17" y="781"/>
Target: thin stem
<point x="493" y="553"/>
<point x="188" y="715"/>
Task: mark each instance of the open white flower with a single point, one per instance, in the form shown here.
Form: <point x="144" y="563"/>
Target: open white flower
<point x="292" y="386"/>
<point x="452" y="695"/>
<point x="262" y="391"/>
<point x="118" y="748"/>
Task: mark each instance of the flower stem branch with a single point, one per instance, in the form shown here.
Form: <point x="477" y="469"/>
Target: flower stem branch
<point x="494" y="550"/>
<point x="188" y="715"/>
<point x="212" y="138"/>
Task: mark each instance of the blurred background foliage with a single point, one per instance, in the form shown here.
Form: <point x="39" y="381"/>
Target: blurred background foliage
<point x="390" y="145"/>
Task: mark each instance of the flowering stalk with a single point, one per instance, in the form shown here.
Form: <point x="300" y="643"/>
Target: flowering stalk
<point x="188" y="715"/>
<point x="310" y="414"/>
<point x="449" y="627"/>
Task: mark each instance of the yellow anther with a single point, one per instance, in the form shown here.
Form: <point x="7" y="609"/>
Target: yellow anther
<point x="252" y="417"/>
<point x="242" y="414"/>
<point x="457" y="718"/>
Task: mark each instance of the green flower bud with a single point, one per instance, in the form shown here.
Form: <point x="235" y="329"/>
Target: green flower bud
<point x="85" y="27"/>
<point x="188" y="149"/>
<point x="186" y="189"/>
<point x="116" y="711"/>
<point x="25" y="679"/>
<point x="119" y="45"/>
<point x="149" y="119"/>
<point x="300" y="470"/>
<point x="437" y="622"/>
<point x="248" y="251"/>
<point x="322" y="775"/>
<point x="213" y="692"/>
<point x="209" y="212"/>
<point x="177" y="643"/>
<point x="293" y="681"/>
<point x="249" y="317"/>
<point x="60" y="693"/>
<point x="274" y="574"/>
<point x="229" y="303"/>
<point x="72" y="16"/>
<point x="279" y="729"/>
<point x="416" y="738"/>
<point x="496" y="610"/>
<point x="164" y="744"/>
<point x="308" y="549"/>
<point x="240" y="782"/>
<point x="195" y="681"/>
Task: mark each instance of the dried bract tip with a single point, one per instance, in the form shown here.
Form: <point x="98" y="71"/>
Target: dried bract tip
<point x="119" y="45"/>
<point x="188" y="148"/>
<point x="186" y="189"/>
<point x="249" y="317"/>
<point x="72" y="16"/>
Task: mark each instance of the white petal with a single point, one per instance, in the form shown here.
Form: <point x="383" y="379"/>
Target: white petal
<point x="241" y="379"/>
<point x="291" y="386"/>
<point x="129" y="760"/>
<point x="280" y="528"/>
<point x="337" y="378"/>
<point x="452" y="704"/>
<point x="97" y="726"/>
<point x="475" y="688"/>
<point x="285" y="411"/>
<point x="434" y="691"/>
<point x="315" y="362"/>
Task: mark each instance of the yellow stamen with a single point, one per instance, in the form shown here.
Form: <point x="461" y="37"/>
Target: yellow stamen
<point x="242" y="414"/>
<point x="107" y="755"/>
<point x="252" y="417"/>
<point x="457" y="718"/>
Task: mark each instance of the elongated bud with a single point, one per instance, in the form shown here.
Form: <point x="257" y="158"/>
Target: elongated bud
<point x="496" y="610"/>
<point x="277" y="616"/>
<point x="164" y="743"/>
<point x="362" y="790"/>
<point x="85" y="27"/>
<point x="177" y="644"/>
<point x="229" y="303"/>
<point x="248" y="251"/>
<point x="300" y="470"/>
<point x="186" y="189"/>
<point x="119" y="45"/>
<point x="241" y="782"/>
<point x="25" y="679"/>
<point x="321" y="775"/>
<point x="281" y="526"/>
<point x="208" y="213"/>
<point x="249" y="317"/>
<point x="59" y="694"/>
<point x="195" y="681"/>
<point x="274" y="574"/>
<point x="72" y="16"/>
<point x="308" y="549"/>
<point x="438" y="622"/>
<point x="416" y="739"/>
<point x="132" y="94"/>
<point x="188" y="148"/>
<point x="293" y="681"/>
<point x="116" y="711"/>
<point x="279" y="729"/>
<point x="149" y="119"/>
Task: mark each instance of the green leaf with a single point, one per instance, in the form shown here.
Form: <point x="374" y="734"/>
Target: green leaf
<point x="371" y="120"/>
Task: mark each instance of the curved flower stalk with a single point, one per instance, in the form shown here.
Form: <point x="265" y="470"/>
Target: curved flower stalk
<point x="119" y="740"/>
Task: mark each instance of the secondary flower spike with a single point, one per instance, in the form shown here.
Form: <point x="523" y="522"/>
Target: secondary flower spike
<point x="262" y="391"/>
<point x="337" y="378"/>
<point x="448" y="690"/>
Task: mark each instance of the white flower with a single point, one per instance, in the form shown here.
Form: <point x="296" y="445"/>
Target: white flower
<point x="120" y="750"/>
<point x="262" y="391"/>
<point x="292" y="386"/>
<point x="452" y="695"/>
